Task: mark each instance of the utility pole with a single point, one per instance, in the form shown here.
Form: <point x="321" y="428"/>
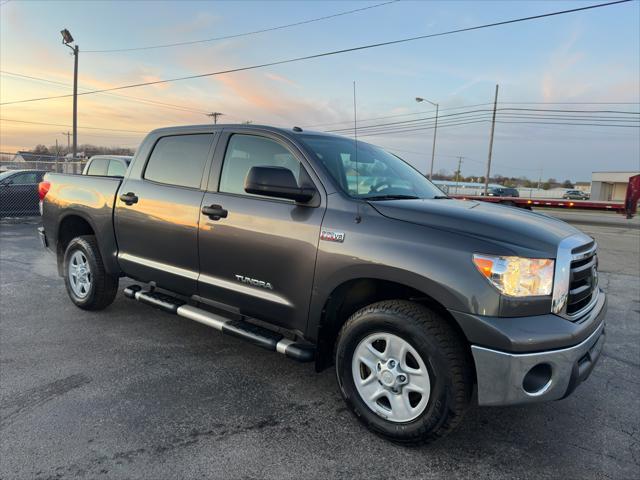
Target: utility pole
<point x="540" y="178"/>
<point x="493" y="127"/>
<point x="57" y="156"/>
<point x="67" y="38"/>
<point x="68" y="135"/>
<point x="458" y="172"/>
<point x="215" y="116"/>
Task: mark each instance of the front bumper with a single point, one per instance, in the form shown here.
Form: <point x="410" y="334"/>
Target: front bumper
<point x="506" y="378"/>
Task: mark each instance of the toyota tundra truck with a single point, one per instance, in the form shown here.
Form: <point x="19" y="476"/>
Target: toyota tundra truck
<point x="328" y="249"/>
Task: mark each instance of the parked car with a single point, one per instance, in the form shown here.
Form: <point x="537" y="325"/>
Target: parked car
<point x="501" y="192"/>
<point x="107" y="165"/>
<point x="576" y="195"/>
<point x="19" y="192"/>
<point x="328" y="250"/>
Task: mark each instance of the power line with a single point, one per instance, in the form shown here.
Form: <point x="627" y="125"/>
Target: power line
<point x="507" y="112"/>
<point x="255" y="32"/>
<point x="482" y="120"/>
<point x="568" y="103"/>
<point x="392" y="116"/>
<point x="470" y="106"/>
<point x="572" y="111"/>
<point x="61" y="125"/>
<point x="331" y="53"/>
<point x="128" y="97"/>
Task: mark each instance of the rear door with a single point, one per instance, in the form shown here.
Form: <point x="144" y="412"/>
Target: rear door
<point x="158" y="209"/>
<point x="260" y="259"/>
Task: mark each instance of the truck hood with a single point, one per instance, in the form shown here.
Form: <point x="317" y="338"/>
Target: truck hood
<point x="508" y="226"/>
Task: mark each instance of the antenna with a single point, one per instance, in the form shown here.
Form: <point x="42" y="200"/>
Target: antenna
<point x="355" y="134"/>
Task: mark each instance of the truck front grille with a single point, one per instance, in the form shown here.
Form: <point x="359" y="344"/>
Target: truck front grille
<point x="583" y="279"/>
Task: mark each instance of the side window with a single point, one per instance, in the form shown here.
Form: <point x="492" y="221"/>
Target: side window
<point x="98" y="166"/>
<point x="247" y="151"/>
<point x="116" y="168"/>
<point x="26" y="178"/>
<point x="179" y="160"/>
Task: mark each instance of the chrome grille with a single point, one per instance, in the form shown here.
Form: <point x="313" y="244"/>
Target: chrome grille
<point x="583" y="279"/>
<point x="575" y="282"/>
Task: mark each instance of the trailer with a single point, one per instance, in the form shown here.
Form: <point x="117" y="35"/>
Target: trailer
<point x="627" y="207"/>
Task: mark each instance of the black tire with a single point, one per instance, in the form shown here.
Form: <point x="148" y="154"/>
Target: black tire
<point x="444" y="353"/>
<point x="104" y="286"/>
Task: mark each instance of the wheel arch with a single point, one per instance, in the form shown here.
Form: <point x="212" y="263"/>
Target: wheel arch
<point x="74" y="224"/>
<point x="355" y="293"/>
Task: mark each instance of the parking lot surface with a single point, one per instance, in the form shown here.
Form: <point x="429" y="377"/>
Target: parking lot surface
<point x="134" y="393"/>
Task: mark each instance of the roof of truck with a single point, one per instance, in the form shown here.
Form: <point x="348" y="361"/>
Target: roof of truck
<point x="294" y="130"/>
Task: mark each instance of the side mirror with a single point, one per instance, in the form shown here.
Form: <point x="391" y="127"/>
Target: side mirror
<point x="276" y="182"/>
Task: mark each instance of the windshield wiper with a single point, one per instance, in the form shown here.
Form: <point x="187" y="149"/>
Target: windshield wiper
<point x="440" y="197"/>
<point x="390" y="197"/>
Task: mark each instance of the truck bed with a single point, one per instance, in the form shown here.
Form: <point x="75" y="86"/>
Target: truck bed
<point x="82" y="198"/>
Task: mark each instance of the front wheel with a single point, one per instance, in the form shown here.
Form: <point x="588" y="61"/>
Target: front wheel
<point x="88" y="284"/>
<point x="404" y="371"/>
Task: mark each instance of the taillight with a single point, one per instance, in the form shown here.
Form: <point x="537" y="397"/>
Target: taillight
<point x="43" y="189"/>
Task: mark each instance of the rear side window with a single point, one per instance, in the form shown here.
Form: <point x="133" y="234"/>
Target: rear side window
<point x="116" y="169"/>
<point x="179" y="160"/>
<point x="26" y="178"/>
<point x="246" y="151"/>
<point x="99" y="166"/>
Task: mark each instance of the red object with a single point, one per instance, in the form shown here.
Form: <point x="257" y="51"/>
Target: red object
<point x="632" y="196"/>
<point x="628" y="207"/>
<point x="43" y="189"/>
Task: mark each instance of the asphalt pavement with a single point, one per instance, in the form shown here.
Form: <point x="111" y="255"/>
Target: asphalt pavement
<point x="133" y="393"/>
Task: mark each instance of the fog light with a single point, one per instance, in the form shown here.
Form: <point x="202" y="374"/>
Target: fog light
<point x="538" y="379"/>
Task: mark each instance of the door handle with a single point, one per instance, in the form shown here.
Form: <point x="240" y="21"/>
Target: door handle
<point x="129" y="198"/>
<point x="215" y="212"/>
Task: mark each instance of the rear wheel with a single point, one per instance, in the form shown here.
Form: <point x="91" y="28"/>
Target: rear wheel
<point x="404" y="371"/>
<point x="88" y="284"/>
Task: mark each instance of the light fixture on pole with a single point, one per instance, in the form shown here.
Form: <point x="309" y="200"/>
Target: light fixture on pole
<point x="67" y="39"/>
<point x="435" y="130"/>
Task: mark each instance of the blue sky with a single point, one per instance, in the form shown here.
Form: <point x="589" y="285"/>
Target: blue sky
<point x="591" y="56"/>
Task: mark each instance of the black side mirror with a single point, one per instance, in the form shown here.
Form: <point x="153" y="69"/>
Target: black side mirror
<point x="276" y="182"/>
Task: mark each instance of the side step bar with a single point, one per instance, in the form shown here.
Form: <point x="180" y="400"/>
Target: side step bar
<point x="255" y="334"/>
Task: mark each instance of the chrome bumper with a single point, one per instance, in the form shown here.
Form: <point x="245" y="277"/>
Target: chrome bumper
<point x="510" y="378"/>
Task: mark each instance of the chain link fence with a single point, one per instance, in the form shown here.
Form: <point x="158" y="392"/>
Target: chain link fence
<point x="20" y="174"/>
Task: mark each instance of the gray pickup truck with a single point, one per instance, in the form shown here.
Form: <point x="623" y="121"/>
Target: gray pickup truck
<point x="332" y="250"/>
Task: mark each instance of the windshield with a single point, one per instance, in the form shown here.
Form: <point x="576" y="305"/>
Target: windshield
<point x="376" y="175"/>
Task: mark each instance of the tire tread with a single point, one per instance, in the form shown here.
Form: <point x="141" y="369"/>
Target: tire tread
<point x="451" y="346"/>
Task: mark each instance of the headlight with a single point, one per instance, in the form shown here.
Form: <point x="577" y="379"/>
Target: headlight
<point x="516" y="276"/>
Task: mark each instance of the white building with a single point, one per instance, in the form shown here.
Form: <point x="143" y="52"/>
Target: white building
<point x="610" y="186"/>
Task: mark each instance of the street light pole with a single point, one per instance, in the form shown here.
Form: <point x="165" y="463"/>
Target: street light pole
<point x="76" y="51"/>
<point x="435" y="131"/>
<point x="67" y="39"/>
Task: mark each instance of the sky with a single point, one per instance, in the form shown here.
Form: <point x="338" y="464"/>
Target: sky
<point x="590" y="56"/>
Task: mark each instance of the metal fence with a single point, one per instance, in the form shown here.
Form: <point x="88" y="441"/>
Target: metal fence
<point x="20" y="174"/>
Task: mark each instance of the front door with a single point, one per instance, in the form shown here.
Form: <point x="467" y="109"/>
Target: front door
<point x="157" y="213"/>
<point x="260" y="258"/>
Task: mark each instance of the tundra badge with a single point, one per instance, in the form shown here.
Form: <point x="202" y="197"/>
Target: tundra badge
<point x="331" y="236"/>
<point x="254" y="282"/>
